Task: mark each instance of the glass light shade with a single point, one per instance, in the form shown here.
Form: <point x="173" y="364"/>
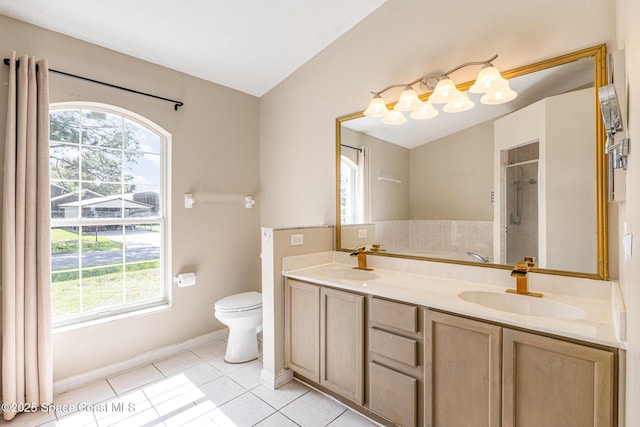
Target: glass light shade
<point x="376" y="108"/>
<point x="394" y="118"/>
<point x="408" y="101"/>
<point x="426" y="111"/>
<point x="489" y="78"/>
<point x="462" y="103"/>
<point x="500" y="95"/>
<point x="444" y="92"/>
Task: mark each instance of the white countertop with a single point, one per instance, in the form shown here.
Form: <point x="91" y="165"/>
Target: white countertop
<point x="442" y="293"/>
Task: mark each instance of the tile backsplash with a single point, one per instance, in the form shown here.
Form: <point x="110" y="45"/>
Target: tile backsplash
<point x="436" y="237"/>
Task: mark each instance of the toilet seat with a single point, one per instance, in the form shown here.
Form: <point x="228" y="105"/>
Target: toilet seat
<point x="244" y="301"/>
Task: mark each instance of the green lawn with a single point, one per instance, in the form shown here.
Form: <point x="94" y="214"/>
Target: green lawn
<point x="67" y="242"/>
<point x="102" y="288"/>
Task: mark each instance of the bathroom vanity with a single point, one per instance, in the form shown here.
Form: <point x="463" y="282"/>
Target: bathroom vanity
<point x="430" y="337"/>
<point x="408" y="349"/>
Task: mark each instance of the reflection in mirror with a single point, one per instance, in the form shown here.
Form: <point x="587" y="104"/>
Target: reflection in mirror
<point x="490" y="185"/>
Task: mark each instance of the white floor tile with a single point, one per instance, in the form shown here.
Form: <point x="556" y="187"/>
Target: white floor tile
<point x="211" y="351"/>
<point x="194" y="416"/>
<point x="177" y="363"/>
<point x="89" y="394"/>
<point x="227" y="368"/>
<point x="352" y="419"/>
<point x="243" y="411"/>
<point x="172" y="394"/>
<point x="200" y="374"/>
<point x="313" y="410"/>
<point x="276" y="420"/>
<point x="134" y="379"/>
<point x="29" y="419"/>
<point x="248" y="376"/>
<point x="196" y="393"/>
<point x="220" y="391"/>
<point x="78" y="419"/>
<point x="128" y="409"/>
<point x="282" y="396"/>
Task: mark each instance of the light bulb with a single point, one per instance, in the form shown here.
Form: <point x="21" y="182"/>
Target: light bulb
<point x="408" y="101"/>
<point x="500" y="95"/>
<point x="376" y="108"/>
<point x="489" y="78"/>
<point x="462" y="103"/>
<point x="426" y="111"/>
<point x="444" y="92"/>
<point x="394" y="118"/>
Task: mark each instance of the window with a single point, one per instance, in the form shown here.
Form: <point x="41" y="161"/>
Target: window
<point x="348" y="190"/>
<point x="109" y="225"/>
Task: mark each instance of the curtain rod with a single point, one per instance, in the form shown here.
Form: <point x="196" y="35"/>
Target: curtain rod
<point x="353" y="148"/>
<point x="176" y="103"/>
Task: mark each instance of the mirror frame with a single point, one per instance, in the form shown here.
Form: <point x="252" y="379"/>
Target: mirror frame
<point x="602" y="268"/>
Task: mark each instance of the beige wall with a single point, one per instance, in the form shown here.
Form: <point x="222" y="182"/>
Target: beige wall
<point x="570" y="187"/>
<point x="452" y="177"/>
<point x="214" y="149"/>
<point x="629" y="40"/>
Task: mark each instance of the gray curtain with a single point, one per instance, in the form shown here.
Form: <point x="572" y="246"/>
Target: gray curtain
<point x="27" y="371"/>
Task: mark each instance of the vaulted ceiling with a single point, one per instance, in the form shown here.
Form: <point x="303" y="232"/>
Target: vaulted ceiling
<point x="248" y="45"/>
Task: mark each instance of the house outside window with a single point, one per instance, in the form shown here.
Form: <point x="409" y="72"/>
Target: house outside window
<point x="109" y="171"/>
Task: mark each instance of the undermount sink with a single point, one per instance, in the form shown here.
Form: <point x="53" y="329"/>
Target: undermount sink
<point x="522" y="304"/>
<point x="348" y="274"/>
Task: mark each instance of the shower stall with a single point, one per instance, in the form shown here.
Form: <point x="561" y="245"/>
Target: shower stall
<point x="520" y="198"/>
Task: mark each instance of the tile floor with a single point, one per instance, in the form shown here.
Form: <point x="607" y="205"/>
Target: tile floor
<point x="195" y="388"/>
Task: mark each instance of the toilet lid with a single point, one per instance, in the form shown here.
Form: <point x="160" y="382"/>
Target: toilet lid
<point x="240" y="302"/>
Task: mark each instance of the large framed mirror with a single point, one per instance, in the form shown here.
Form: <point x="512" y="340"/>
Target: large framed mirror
<point x="488" y="186"/>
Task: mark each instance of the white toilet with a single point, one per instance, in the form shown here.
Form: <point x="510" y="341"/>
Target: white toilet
<point x="242" y="313"/>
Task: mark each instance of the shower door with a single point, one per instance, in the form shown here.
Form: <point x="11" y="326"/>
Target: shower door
<point x="521" y="209"/>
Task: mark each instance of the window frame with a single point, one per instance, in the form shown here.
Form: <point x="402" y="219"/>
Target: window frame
<point x="352" y="181"/>
<point x="163" y="219"/>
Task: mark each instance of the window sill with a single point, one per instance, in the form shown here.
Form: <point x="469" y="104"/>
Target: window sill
<point x="107" y="319"/>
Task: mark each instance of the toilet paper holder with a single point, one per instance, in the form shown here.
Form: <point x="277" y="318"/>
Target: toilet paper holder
<point x="184" y="280"/>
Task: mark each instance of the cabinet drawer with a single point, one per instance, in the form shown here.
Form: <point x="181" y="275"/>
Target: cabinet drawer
<point x="394" y="347"/>
<point x="393" y="395"/>
<point x="394" y="314"/>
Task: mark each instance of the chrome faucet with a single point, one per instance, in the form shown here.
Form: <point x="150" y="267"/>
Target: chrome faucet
<point x="362" y="259"/>
<point x="477" y="257"/>
<point x="520" y="271"/>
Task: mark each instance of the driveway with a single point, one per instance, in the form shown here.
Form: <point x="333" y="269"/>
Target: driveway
<point x="140" y="246"/>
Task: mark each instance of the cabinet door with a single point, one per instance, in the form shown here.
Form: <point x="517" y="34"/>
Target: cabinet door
<point x="462" y="378"/>
<point x="393" y="395"/>
<point x="548" y="382"/>
<point x="302" y="335"/>
<point x="341" y="343"/>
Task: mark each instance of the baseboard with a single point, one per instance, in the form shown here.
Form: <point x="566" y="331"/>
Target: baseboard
<point x="143" y="359"/>
<point x="276" y="381"/>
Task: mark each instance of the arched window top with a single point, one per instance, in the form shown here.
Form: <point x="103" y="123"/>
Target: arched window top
<point x="113" y="110"/>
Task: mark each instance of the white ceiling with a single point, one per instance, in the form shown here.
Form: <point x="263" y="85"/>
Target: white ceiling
<point x="248" y="45"/>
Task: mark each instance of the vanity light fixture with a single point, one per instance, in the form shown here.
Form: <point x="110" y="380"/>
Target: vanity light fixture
<point x="408" y="101"/>
<point x="442" y="90"/>
<point x="376" y="108"/>
<point x="426" y="111"/>
<point x="394" y="117"/>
